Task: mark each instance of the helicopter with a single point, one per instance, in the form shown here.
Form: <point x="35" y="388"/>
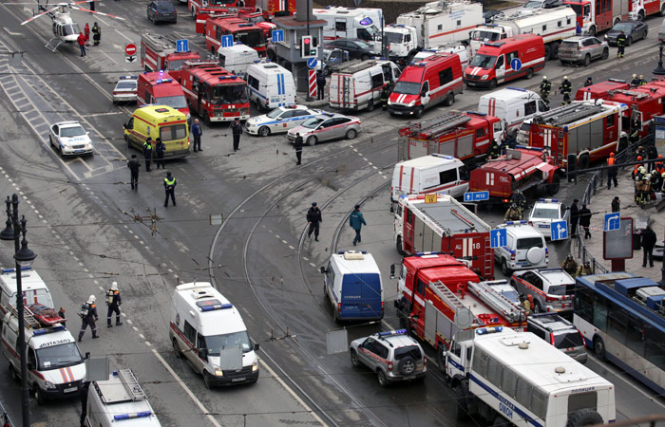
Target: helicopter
<point x="65" y="30"/>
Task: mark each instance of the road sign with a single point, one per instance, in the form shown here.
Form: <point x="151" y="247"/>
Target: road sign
<point x="130" y="49"/>
<point x="612" y="221"/>
<point x="559" y="230"/>
<point x="227" y="41"/>
<point x="430" y="198"/>
<point x="182" y="45"/>
<point x="516" y="64"/>
<point x="498" y="238"/>
<point x="130" y="58"/>
<point x="311" y="62"/>
<point x="277" y="36"/>
<point x="477" y="196"/>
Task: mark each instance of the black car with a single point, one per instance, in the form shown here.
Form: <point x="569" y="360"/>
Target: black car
<point x="490" y="15"/>
<point x="162" y="11"/>
<point x="358" y="49"/>
<point x="635" y="30"/>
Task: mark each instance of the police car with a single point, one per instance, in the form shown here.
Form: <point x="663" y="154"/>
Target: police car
<point x="125" y="90"/>
<point x="70" y="139"/>
<point x="281" y="119"/>
<point x="546" y="211"/>
<point x="325" y="127"/>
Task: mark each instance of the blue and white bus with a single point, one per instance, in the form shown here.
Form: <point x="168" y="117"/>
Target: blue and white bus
<point x="622" y="318"/>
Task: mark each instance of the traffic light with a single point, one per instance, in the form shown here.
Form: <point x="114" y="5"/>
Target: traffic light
<point x="308" y="47"/>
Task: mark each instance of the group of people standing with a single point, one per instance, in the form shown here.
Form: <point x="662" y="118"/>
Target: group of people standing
<point x="84" y="37"/>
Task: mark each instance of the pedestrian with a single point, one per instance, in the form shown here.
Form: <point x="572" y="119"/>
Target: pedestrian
<point x="113" y="301"/>
<point x="89" y="315"/>
<point x="565" y="88"/>
<point x="84" y="402"/>
<point x="61" y="313"/>
<point x="160" y="150"/>
<point x="86" y="31"/>
<point x="169" y="187"/>
<point x="569" y="265"/>
<point x="385" y="95"/>
<point x="652" y="154"/>
<point x="578" y="29"/>
<point x="134" y="167"/>
<point x="81" y="42"/>
<point x="297" y="145"/>
<point x="494" y="151"/>
<point x="356" y="221"/>
<point x="612" y="171"/>
<point x="545" y="89"/>
<point x="616" y="204"/>
<point x="519" y="199"/>
<point x="196" y="132"/>
<point x="635" y="128"/>
<point x="314" y="219"/>
<point x="147" y="153"/>
<point x="584" y="270"/>
<point x="585" y="220"/>
<point x="574" y="217"/>
<point x="320" y="85"/>
<point x="648" y="242"/>
<point x="236" y="127"/>
<point x="96" y="32"/>
<point x="621" y="44"/>
<point x="513" y="213"/>
<point x="588" y="82"/>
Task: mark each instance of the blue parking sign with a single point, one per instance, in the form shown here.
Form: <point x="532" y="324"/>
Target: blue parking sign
<point x="498" y="238"/>
<point x="227" y="41"/>
<point x="612" y="221"/>
<point x="559" y="230"/>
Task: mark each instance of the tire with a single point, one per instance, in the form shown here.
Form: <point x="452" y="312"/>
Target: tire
<point x="355" y="361"/>
<point x="407" y="366"/>
<point x="555" y="51"/>
<point x="383" y="379"/>
<point x="41" y="399"/>
<point x="493" y="84"/>
<point x="504" y="268"/>
<point x="13" y="374"/>
<point x="548" y="52"/>
<point x="399" y="247"/>
<point x="450" y="100"/>
<point x="553" y="188"/>
<point x="311" y="140"/>
<point x="606" y="54"/>
<point x="176" y="349"/>
<point x="646" y="33"/>
<point x="419" y="112"/>
<point x="370" y="106"/>
<point x="592" y="31"/>
<point x="640" y="17"/>
<point x="629" y="41"/>
<point x="583" y="162"/>
<point x="461" y="411"/>
<point x="587" y="60"/>
<point x="207" y="380"/>
<point x="351" y="134"/>
<point x="129" y="142"/>
<point x="662" y="10"/>
<point x="529" y="74"/>
<point x="264" y="131"/>
<point x="364" y="57"/>
<point x="584" y="417"/>
<point x="599" y="348"/>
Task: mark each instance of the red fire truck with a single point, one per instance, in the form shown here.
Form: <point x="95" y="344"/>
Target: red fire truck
<point x="466" y="136"/>
<point x="433" y="288"/>
<point x="599" y="90"/>
<point x="161" y="89"/>
<point x="595" y="17"/>
<point x="445" y="226"/>
<point x="243" y="32"/>
<point x="272" y="8"/>
<point x="218" y="6"/>
<point x="249" y="15"/>
<point x="524" y="168"/>
<point x="213" y="93"/>
<point x="589" y="130"/>
<point x="158" y="53"/>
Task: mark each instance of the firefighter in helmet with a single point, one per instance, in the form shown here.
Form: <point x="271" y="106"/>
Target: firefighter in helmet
<point x="621" y="44"/>
<point x="545" y="89"/>
<point x="569" y="265"/>
<point x="635" y="82"/>
<point x="565" y="88"/>
<point x="513" y="213"/>
<point x="385" y="94"/>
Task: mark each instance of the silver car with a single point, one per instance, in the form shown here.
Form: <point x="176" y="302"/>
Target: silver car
<point x="393" y="355"/>
<point x="560" y="333"/>
<point x="325" y="127"/>
<point x="552" y="289"/>
<point x="583" y="49"/>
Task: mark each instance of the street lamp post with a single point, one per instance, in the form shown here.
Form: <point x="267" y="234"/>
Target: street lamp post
<point x="660" y="71"/>
<point x="23" y="256"/>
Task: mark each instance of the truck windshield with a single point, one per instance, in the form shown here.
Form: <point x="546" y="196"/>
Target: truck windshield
<point x="392" y="37"/>
<point x="173" y="132"/>
<point x="480" y="35"/>
<point x="175" y="65"/>
<point x="176" y="102"/>
<point x="483" y="61"/>
<point x="216" y="342"/>
<point x="407" y="88"/>
<point x="58" y="356"/>
<point x="221" y="2"/>
<point x="576" y="7"/>
<point x="229" y="94"/>
<point x="253" y="38"/>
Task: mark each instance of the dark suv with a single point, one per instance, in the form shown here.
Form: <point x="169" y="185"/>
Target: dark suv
<point x="162" y="11"/>
<point x="560" y="333"/>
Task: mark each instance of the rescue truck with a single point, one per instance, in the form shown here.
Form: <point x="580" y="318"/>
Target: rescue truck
<point x="273" y="8"/>
<point x="553" y="25"/>
<point x="427" y="83"/>
<point x="512" y="106"/>
<point x="357" y="85"/>
<point x="640" y="9"/>
<point x="599" y="90"/>
<point x="444" y="226"/>
<point x="249" y="15"/>
<point x="161" y="89"/>
<point x="242" y="31"/>
<point x="351" y="23"/>
<point x="523" y="168"/>
<point x="213" y="93"/>
<point x="516" y="378"/>
<point x="158" y="52"/>
<point x="34" y="289"/>
<point x="433" y="288"/>
<point x="466" y="136"/>
<point x="56" y="368"/>
<point x="119" y="398"/>
<point x="217" y="6"/>
<point x="594" y="19"/>
<point x="589" y="130"/>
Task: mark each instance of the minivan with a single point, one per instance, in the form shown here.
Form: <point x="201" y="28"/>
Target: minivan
<point x="560" y="333"/>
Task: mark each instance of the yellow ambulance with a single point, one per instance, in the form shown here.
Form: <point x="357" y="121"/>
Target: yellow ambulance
<point x="159" y="121"/>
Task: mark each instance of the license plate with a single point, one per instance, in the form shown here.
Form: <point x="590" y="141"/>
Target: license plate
<point x="470" y="84"/>
<point x="237" y="380"/>
<point x="543" y="226"/>
<point x="79" y="151"/>
<point x="69" y="390"/>
<point x="399" y="113"/>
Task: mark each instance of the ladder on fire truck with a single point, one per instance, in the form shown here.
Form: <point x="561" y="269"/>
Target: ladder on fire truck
<point x="29" y="318"/>
<point x="497" y="301"/>
<point x="131" y="384"/>
<point x="569" y="113"/>
<point x="437" y="126"/>
<point x="451" y="300"/>
<point x="632" y="93"/>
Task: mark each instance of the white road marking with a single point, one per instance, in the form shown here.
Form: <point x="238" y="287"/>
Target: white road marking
<point x="128" y="39"/>
<point x="110" y="113"/>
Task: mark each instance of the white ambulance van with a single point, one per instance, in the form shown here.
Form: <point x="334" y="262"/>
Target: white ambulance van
<point x="357" y="85"/>
<point x="35" y="290"/>
<point x="352" y="23"/>
<point x="203" y="323"/>
<point x="513" y="105"/>
<point x="237" y="58"/>
<point x="270" y="85"/>
<point x="56" y="368"/>
<point x="436" y="173"/>
<point x="120" y="398"/>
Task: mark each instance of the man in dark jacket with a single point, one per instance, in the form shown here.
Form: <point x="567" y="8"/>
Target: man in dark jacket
<point x="89" y="317"/>
<point x="134" y="167"/>
<point x="114" y="301"/>
<point x="160" y="149"/>
<point x="147" y="153"/>
<point x="621" y="44"/>
<point x="196" y="133"/>
<point x="652" y="154"/>
<point x="574" y="218"/>
<point x="96" y="31"/>
<point x="169" y="187"/>
<point x="648" y="242"/>
<point x="616" y="204"/>
<point x="297" y="145"/>
<point x="385" y="95"/>
<point x="314" y="219"/>
<point x="321" y="85"/>
<point x="585" y="220"/>
<point x="236" y="128"/>
<point x="356" y="221"/>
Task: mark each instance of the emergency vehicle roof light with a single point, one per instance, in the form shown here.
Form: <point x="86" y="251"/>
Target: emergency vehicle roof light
<point x="391" y="333"/>
<point x="443" y="156"/>
<point x="426" y="253"/>
<point x="401" y="25"/>
<point x="549" y="200"/>
<point x="160" y="81"/>
<point x="257" y="61"/>
<point x="421" y="64"/>
<point x="524" y="147"/>
<point x="516" y="88"/>
<point x="143" y="414"/>
<point x="232" y="76"/>
<point x="485" y="331"/>
<point x="13" y="270"/>
<point x="516" y="222"/>
<point x="245" y="25"/>
<point x="56" y="328"/>
<point x="128" y="77"/>
<point x="475" y="113"/>
<point x="215" y="306"/>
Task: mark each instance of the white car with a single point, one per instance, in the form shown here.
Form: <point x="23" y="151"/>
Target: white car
<point x="70" y="139"/>
<point x="125" y="90"/>
<point x="545" y="212"/>
<point x="281" y="119"/>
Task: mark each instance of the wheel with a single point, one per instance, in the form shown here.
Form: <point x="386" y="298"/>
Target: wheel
<point x="398" y="245"/>
<point x="584" y="417"/>
<point x="12" y="373"/>
<point x="504" y="268"/>
<point x="370" y="105"/>
<point x="583" y="162"/>
<point x="407" y="366"/>
<point x="592" y="31"/>
<point x="364" y="57"/>
<point x="440" y="359"/>
<point x="355" y="361"/>
<point x="493" y="84"/>
<point x="129" y="143"/>
<point x="450" y="100"/>
<point x="587" y="60"/>
<point x="662" y="10"/>
<point x="646" y="33"/>
<point x="264" y="131"/>
<point x="351" y="134"/>
<point x="383" y="379"/>
<point x="207" y="380"/>
<point x="616" y="21"/>
<point x="326" y="71"/>
<point x="311" y="141"/>
<point x="640" y="17"/>
<point x="461" y="412"/>
<point x="606" y="54"/>
<point x="41" y="398"/>
<point x="553" y="188"/>
<point x="599" y="348"/>
<point x="420" y="111"/>
<point x="548" y="52"/>
<point x="629" y="41"/>
<point x="176" y="349"/>
<point x="529" y="74"/>
<point x="555" y="50"/>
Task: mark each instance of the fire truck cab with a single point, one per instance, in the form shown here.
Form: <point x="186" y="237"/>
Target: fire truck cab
<point x="158" y="52"/>
<point x="160" y="89"/>
<point x="242" y="31"/>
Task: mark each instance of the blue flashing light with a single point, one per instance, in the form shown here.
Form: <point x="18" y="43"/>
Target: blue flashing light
<point x="421" y="64"/>
<point x="231" y="77"/>
<point x="392" y="333"/>
<point x="143" y="414"/>
<point x="485" y="331"/>
<point x="160" y="81"/>
<point x="257" y="61"/>
<point x="366" y="21"/>
<point x="475" y="113"/>
<point x="13" y="270"/>
<point x="49" y="330"/>
<point x="516" y="222"/>
<point x="115" y="373"/>
<point x="217" y="307"/>
<point x="128" y="77"/>
<point x="427" y="253"/>
<point x="516" y="88"/>
<point x="549" y="200"/>
<point x="401" y="25"/>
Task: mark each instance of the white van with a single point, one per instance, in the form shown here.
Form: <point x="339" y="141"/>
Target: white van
<point x="353" y="23"/>
<point x="436" y="173"/>
<point x="353" y="285"/>
<point x="117" y="399"/>
<point x="35" y="290"/>
<point x="461" y="50"/>
<point x="203" y="324"/>
<point x="512" y="105"/>
<point x="56" y="368"/>
<point x="357" y="85"/>
<point x="525" y="248"/>
<point x="237" y="58"/>
<point x="270" y="85"/>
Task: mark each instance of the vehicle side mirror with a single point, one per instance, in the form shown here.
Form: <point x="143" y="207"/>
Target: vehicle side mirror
<point x="323" y="270"/>
<point x="31" y="366"/>
<point x="444" y="353"/>
<point x="256" y="347"/>
<point x="392" y="271"/>
<point x="87" y="355"/>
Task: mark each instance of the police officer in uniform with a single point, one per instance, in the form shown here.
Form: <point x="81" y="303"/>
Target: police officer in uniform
<point x="297" y="145"/>
<point x="169" y="187"/>
<point x="236" y="129"/>
<point x="545" y="88"/>
<point x="621" y="44"/>
<point x="565" y="88"/>
<point x="385" y="94"/>
<point x="147" y="153"/>
<point x="114" y="301"/>
<point x="89" y="316"/>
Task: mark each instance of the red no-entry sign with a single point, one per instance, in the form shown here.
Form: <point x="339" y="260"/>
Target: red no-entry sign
<point x="130" y="49"/>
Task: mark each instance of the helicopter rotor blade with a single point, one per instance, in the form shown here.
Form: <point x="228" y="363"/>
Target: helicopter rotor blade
<point x="39" y="15"/>
<point x="82" y="9"/>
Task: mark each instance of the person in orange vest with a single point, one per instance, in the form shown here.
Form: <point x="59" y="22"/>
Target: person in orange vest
<point x="636" y="168"/>
<point x="659" y="165"/>
<point x="612" y="171"/>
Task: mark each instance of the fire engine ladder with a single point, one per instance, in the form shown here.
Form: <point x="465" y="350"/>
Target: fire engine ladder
<point x="570" y="113"/>
<point x="497" y="301"/>
<point x="634" y="94"/>
<point x="439" y="125"/>
<point x="28" y="317"/>
<point x="468" y="222"/>
<point x="131" y="384"/>
<point x="450" y="299"/>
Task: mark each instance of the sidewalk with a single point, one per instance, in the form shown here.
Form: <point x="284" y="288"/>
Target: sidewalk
<point x="600" y="204"/>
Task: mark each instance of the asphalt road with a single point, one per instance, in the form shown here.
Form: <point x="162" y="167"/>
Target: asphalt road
<point x="90" y="229"/>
